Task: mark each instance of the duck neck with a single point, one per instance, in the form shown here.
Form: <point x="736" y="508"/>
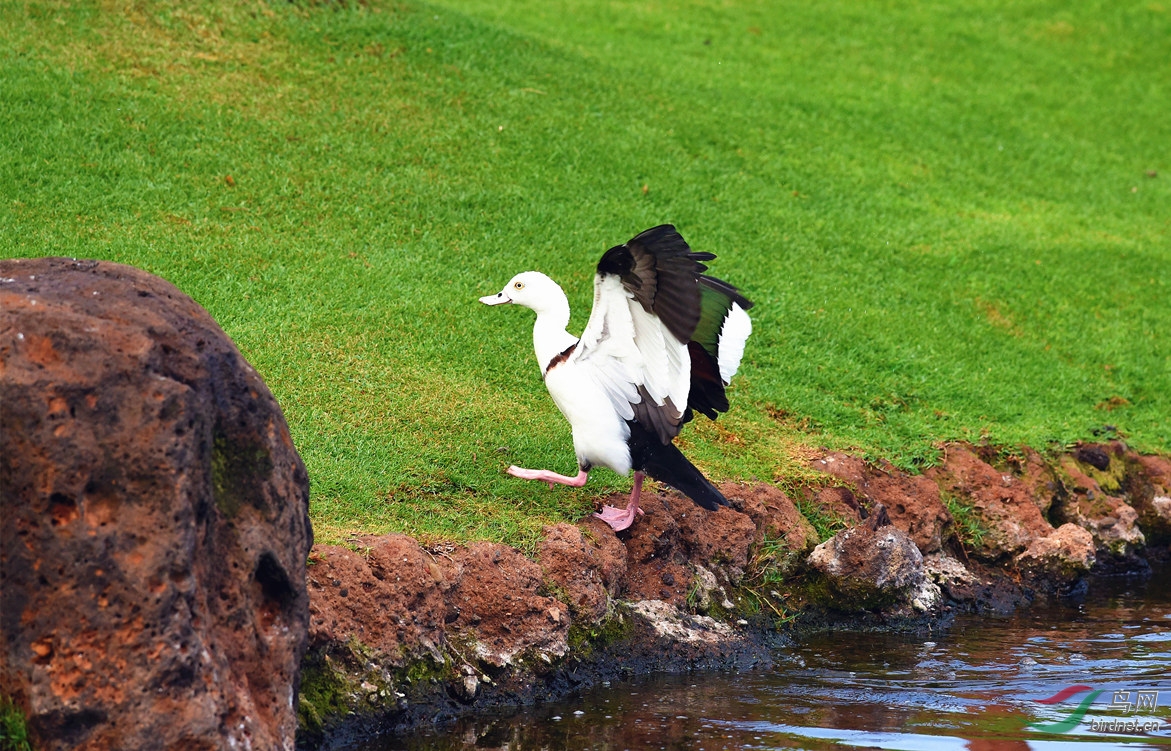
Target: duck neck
<point x="550" y="337"/>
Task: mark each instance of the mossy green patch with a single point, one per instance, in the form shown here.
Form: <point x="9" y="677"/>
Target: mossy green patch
<point x="1111" y="479"/>
<point x="765" y="588"/>
<point x="13" y="727"/>
<point x="323" y="695"/>
<point x="585" y="639"/>
<point x="358" y="680"/>
<point x="966" y="524"/>
<point x="1089" y="504"/>
<point x="426" y="670"/>
<point x="237" y="470"/>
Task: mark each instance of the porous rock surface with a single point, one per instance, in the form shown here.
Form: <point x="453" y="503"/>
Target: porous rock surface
<point x="1061" y="557"/>
<point x="911" y="501"/>
<point x="1005" y="505"/>
<point x="401" y="633"/>
<point x="155" y="520"/>
<point x="586" y="564"/>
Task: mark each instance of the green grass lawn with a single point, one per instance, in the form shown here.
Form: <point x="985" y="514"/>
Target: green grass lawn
<point x="955" y="218"/>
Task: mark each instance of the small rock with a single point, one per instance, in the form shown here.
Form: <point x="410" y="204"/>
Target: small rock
<point x="705" y="586"/>
<point x="1062" y="557"/>
<point x="1095" y="456"/>
<point x="675" y="626"/>
<point x="873" y="566"/>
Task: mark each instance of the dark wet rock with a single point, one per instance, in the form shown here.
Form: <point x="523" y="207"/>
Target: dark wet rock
<point x="152" y="555"/>
<point x="1095" y="456"/>
<point x="976" y="587"/>
<point x="874" y="566"/>
<point x="912" y="501"/>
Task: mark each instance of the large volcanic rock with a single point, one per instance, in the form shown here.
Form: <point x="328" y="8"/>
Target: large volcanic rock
<point x="155" y="520"/>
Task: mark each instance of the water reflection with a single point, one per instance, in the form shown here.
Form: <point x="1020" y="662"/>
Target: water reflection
<point x="975" y="686"/>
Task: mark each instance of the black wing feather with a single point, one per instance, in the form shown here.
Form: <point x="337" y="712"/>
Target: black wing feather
<point x="661" y="271"/>
<point x="659" y="268"/>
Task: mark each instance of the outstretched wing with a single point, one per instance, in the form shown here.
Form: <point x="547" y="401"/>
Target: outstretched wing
<point x="647" y="305"/>
<point x="717" y="344"/>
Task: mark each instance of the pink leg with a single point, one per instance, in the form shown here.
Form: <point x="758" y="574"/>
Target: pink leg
<point x="621" y="519"/>
<point x="552" y="478"/>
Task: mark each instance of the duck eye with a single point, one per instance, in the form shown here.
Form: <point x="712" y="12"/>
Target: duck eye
<point x="519" y="285"/>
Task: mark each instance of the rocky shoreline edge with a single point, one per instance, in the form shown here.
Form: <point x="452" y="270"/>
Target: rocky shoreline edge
<point x="159" y="587"/>
<point x="402" y="635"/>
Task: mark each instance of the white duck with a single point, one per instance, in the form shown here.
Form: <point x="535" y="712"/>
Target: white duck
<point x="662" y="342"/>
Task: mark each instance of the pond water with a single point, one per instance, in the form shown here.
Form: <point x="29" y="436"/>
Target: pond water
<point x="978" y="685"/>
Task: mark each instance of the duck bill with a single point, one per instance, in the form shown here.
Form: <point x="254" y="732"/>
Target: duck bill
<point x="497" y="299"/>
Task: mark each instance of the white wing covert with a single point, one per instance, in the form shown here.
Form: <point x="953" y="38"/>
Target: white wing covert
<point x="646" y="306"/>
<point x="628" y="351"/>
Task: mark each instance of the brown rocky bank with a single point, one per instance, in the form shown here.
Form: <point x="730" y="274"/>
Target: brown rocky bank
<point x="155" y="520"/>
<point x="400" y="634"/>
